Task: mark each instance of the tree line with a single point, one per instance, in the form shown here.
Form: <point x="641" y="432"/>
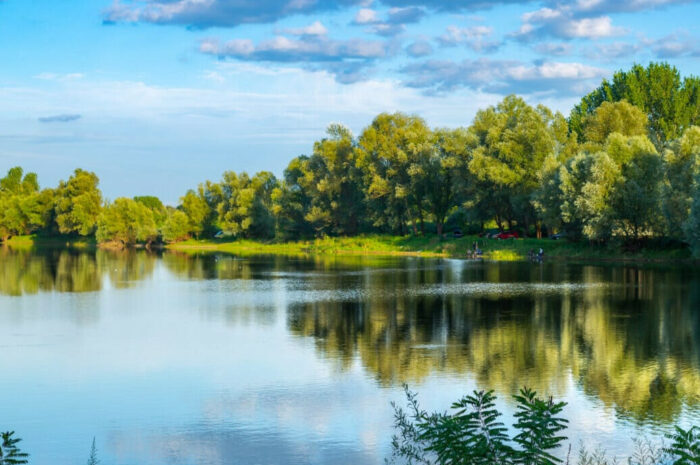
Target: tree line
<point x="624" y="165"/>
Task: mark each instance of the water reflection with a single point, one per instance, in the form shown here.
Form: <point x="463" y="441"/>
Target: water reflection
<point x="622" y="337"/>
<point x="64" y="270"/>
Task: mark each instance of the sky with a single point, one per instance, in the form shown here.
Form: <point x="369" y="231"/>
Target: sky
<point x="156" y="96"/>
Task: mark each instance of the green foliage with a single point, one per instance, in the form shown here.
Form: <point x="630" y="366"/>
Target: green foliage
<point x="176" y="227"/>
<point x="10" y="454"/>
<point x="78" y="203"/>
<point x="511" y="143"/>
<point x="685" y="446"/>
<point x="391" y="150"/>
<point x="671" y="103"/>
<point x="245" y="205"/>
<point x="611" y="117"/>
<point x="23" y="208"/>
<point x="198" y="211"/>
<point x="92" y="459"/>
<point x="160" y="213"/>
<point x="473" y="434"/>
<point x="539" y="428"/>
<point x="126" y="221"/>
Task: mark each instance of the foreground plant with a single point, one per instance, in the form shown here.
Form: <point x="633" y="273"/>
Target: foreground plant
<point x="473" y="434"/>
<point x="10" y="454"/>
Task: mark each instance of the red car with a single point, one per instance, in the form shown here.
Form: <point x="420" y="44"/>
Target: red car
<point x="508" y="235"/>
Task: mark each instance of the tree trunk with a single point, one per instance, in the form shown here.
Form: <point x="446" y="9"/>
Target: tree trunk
<point x="539" y="230"/>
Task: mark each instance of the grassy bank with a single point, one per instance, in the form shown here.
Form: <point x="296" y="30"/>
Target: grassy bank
<point x="432" y="246"/>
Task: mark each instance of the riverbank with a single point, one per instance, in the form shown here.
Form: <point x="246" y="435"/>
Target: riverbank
<point x="433" y="246"/>
<point x="386" y="245"/>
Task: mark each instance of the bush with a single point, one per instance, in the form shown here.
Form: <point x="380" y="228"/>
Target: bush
<point x="472" y="434"/>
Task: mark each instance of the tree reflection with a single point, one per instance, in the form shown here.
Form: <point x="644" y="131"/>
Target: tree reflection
<point x="629" y="336"/>
<point x="64" y="270"/>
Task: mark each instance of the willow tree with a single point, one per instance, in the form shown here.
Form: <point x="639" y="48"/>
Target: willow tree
<point x="78" y="203"/>
<point x="511" y="143"/>
<point x="245" y="208"/>
<point x="389" y="149"/>
<point x="126" y="221"/>
<point x="333" y="182"/>
<point x="23" y="208"/>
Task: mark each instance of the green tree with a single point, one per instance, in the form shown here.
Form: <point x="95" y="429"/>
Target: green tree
<point x="609" y="117"/>
<point x="245" y="208"/>
<point x="682" y="166"/>
<point x="636" y="199"/>
<point x="443" y="177"/>
<point x="390" y="149"/>
<point x="333" y="183"/>
<point x="23" y="208"/>
<point x="291" y="203"/>
<point x="177" y="227"/>
<point x="512" y="142"/>
<point x="691" y="227"/>
<point x="198" y="211"/>
<point x="126" y="221"/>
<point x="671" y="103"/>
<point x="78" y="203"/>
<point x="10" y="454"/>
<point x="160" y="213"/>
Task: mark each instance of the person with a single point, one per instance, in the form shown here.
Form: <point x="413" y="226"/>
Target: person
<point x="540" y="254"/>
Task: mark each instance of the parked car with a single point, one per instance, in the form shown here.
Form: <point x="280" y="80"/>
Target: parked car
<point x="558" y="236"/>
<point x="219" y="235"/>
<point x="508" y="235"/>
<point x="456" y="233"/>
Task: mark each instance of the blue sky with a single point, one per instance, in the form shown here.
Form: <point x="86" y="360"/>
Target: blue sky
<point x="156" y="96"/>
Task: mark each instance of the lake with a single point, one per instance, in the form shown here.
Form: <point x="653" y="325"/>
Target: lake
<point x="216" y="359"/>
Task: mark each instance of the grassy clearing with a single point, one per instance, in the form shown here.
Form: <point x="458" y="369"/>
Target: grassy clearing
<point x="432" y="246"/>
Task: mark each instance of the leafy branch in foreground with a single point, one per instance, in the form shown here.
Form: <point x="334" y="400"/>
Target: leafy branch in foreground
<point x="685" y="446"/>
<point x="10" y="454"/>
<point x="472" y="434"/>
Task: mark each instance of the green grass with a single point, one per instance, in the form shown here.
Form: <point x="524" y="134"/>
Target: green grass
<point x="432" y="246"/>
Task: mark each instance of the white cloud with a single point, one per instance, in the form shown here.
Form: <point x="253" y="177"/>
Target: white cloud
<point x="366" y="16"/>
<point x="314" y="29"/>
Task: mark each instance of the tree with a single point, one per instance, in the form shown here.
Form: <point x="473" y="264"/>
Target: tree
<point x="245" y="207"/>
<point x="23" y="208"/>
<point x="444" y="177"/>
<point x="332" y="182"/>
<point x="609" y="117"/>
<point x="291" y="203"/>
<point x="691" y="227"/>
<point x="78" y="203"/>
<point x="682" y="162"/>
<point x="512" y="142"/>
<point x="198" y="211"/>
<point x="126" y="221"/>
<point x="160" y="214"/>
<point x="671" y="104"/>
<point x="389" y="149"/>
<point x="636" y="198"/>
<point x="177" y="227"/>
<point x="10" y="454"/>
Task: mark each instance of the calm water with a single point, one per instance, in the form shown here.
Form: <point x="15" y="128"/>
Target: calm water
<point x="215" y="359"/>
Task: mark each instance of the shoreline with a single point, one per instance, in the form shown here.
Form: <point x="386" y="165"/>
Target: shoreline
<point x="429" y="246"/>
